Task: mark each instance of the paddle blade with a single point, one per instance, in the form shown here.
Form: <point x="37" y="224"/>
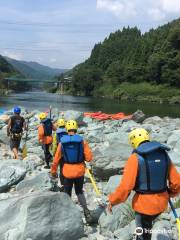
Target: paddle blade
<point x="24" y="151"/>
<point x="178" y="226"/>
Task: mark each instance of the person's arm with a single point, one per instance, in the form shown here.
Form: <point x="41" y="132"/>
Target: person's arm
<point x="56" y="161"/>
<point x="54" y="128"/>
<point x="40" y="133"/>
<point x="174" y="181"/>
<point x="87" y="152"/>
<point x="127" y="183"/>
<point x="9" y="127"/>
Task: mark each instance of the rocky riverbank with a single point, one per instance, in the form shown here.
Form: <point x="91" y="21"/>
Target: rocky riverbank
<point x="29" y="210"/>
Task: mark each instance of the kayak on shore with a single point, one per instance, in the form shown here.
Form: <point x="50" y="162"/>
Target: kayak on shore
<point x="104" y="116"/>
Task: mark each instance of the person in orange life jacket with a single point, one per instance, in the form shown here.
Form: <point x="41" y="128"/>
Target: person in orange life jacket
<point x="45" y="136"/>
<point x="74" y="151"/>
<point x="15" y="128"/>
<point x="60" y="132"/>
<point x="150" y="172"/>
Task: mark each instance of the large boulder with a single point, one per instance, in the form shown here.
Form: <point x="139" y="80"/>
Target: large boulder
<point x="112" y="184"/>
<point x="11" y="172"/>
<point x="127" y="232"/>
<point x="32" y="161"/>
<point x="174" y="138"/>
<point x="4" y="118"/>
<point x="138" y="116"/>
<point x="73" y="115"/>
<point x="174" y="156"/>
<point x="153" y="120"/>
<point x="40" y="215"/>
<point x="110" y="159"/>
<point x="3" y="136"/>
<point x="40" y="181"/>
<point x="95" y="137"/>
<point x="162" y="231"/>
<point x="122" y="216"/>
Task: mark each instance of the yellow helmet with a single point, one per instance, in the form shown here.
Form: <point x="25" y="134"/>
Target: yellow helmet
<point x="42" y="116"/>
<point x="60" y="122"/>
<point x="138" y="136"/>
<point x="71" y="125"/>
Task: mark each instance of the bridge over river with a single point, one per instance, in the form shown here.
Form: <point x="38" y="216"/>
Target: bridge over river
<point x="58" y="82"/>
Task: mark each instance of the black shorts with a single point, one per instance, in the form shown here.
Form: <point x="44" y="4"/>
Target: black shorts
<point x="15" y="143"/>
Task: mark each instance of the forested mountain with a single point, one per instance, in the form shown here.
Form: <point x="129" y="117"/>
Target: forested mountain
<point x="34" y="70"/>
<point x="7" y="70"/>
<point x="133" y="57"/>
<point x="5" y="67"/>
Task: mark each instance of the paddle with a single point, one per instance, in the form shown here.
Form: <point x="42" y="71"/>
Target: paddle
<point x="24" y="148"/>
<point x="93" y="182"/>
<point x="176" y="216"/>
<point x="50" y="110"/>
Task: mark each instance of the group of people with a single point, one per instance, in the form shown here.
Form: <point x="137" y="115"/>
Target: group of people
<point x="149" y="170"/>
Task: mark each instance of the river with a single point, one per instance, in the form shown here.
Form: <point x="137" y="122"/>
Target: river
<point x="42" y="101"/>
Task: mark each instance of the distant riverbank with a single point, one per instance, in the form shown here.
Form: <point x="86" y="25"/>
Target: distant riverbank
<point x="141" y="92"/>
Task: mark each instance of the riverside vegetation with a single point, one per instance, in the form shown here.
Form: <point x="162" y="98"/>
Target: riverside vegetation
<point x="29" y="210"/>
<point x="131" y="65"/>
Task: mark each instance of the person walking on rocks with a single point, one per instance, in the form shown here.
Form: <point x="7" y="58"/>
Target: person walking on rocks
<point x="15" y="128"/>
<point x="45" y="136"/>
<point x="60" y="132"/>
<point x="75" y="152"/>
<point x="152" y="175"/>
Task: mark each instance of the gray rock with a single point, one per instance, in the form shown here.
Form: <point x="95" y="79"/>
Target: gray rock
<point x="40" y="215"/>
<point x="138" y="116"/>
<point x="11" y="172"/>
<point x="3" y="136"/>
<point x="127" y="232"/>
<point x="128" y="126"/>
<point x="175" y="157"/>
<point x="153" y="120"/>
<point x="110" y="160"/>
<point x="162" y="231"/>
<point x="174" y="138"/>
<point x="32" y="161"/>
<point x="122" y="216"/>
<point x="95" y="137"/>
<point x="40" y="181"/>
<point x="74" y="115"/>
<point x="112" y="184"/>
<point x="32" y="151"/>
<point x="87" y="120"/>
<point x="177" y="146"/>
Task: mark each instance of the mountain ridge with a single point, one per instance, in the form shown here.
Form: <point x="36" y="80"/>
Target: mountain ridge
<point x="34" y="69"/>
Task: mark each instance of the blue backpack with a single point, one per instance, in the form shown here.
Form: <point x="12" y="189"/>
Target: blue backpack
<point x="153" y="168"/>
<point x="72" y="149"/>
<point x="47" y="124"/>
<point x="60" y="133"/>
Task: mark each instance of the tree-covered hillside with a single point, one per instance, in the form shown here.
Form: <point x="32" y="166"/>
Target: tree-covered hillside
<point x="133" y="57"/>
<point x="7" y="70"/>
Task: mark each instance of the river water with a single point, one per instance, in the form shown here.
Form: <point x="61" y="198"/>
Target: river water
<point x="42" y="101"/>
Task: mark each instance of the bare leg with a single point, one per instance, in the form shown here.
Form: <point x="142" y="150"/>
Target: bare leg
<point x="15" y="151"/>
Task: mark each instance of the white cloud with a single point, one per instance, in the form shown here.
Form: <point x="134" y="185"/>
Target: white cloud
<point x="14" y="55"/>
<point x="156" y="14"/>
<point x="121" y="8"/>
<point x="170" y="6"/>
<point x="53" y="60"/>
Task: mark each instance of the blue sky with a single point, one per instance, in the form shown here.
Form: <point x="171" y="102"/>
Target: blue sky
<point x="62" y="33"/>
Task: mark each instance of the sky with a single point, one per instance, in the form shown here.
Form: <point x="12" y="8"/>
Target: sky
<point x="62" y="33"/>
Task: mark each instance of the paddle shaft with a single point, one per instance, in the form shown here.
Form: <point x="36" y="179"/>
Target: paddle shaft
<point x="173" y="209"/>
